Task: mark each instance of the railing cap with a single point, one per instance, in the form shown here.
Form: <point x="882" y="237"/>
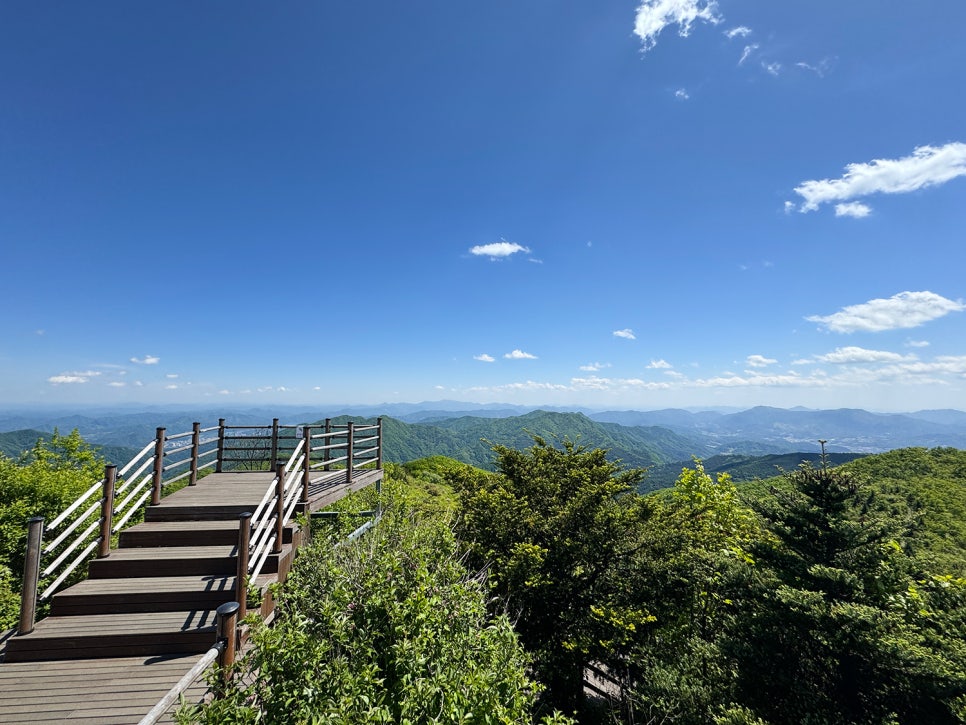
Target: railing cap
<point x="228" y="608"/>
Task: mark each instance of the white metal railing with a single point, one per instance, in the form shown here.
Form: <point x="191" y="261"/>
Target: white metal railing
<point x="110" y="504"/>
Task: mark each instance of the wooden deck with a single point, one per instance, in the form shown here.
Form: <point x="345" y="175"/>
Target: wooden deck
<point x="115" y="643"/>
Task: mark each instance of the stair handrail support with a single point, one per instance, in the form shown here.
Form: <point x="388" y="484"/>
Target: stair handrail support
<point x="158" y="467"/>
<point x="31" y="575"/>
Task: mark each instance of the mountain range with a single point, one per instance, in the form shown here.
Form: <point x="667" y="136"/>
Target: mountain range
<point x="466" y="432"/>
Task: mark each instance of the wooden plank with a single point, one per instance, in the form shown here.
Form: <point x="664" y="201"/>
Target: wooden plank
<point x="118" y="690"/>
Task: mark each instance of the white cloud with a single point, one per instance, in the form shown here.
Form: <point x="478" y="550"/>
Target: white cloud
<point x="904" y="310"/>
<point x="117" y="384"/>
<point x="854" y="355"/>
<point x="626" y="333"/>
<point x="67" y="379"/>
<point x="926" y="166"/>
<point x="682" y="94"/>
<point x="749" y="49"/>
<point x="789" y="207"/>
<point x="854" y="209"/>
<point x="172" y="386"/>
<point x="74" y="377"/>
<point x="740" y="32"/>
<point x="772" y="68"/>
<point x="594" y="367"/>
<point x="171" y="376"/>
<point x="224" y="392"/>
<point x="820" y="70"/>
<point x="519" y="355"/>
<point x="659" y="365"/>
<point x="655" y="15"/>
<point x="498" y="250"/>
<point x="917" y="343"/>
<point x="146" y="360"/>
<point x="484" y="358"/>
<point x="759" y="361"/>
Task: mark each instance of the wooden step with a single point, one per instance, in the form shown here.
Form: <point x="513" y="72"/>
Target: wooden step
<point x="144" y="594"/>
<point x="186" y="533"/>
<point x="115" y="635"/>
<point x="169" y="561"/>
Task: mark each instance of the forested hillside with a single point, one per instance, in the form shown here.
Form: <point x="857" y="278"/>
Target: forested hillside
<point x="827" y="595"/>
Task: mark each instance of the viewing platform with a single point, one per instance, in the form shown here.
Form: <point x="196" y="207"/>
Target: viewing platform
<point x="166" y="601"/>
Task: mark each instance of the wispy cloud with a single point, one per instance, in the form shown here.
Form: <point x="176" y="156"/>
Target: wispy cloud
<point x="859" y="355"/>
<point x="746" y="53"/>
<point x="498" y="250"/>
<point x="917" y="343"/>
<point x="819" y="69"/>
<point x="759" y="361"/>
<point x="682" y="94"/>
<point x="653" y="16"/>
<point x="594" y="367"/>
<point x="926" y="166"/>
<point x="484" y="358"/>
<point x="117" y="384"/>
<point x="146" y="360"/>
<point x="904" y="310"/>
<point x="73" y="378"/>
<point x="774" y="69"/>
<point x="659" y="365"/>
<point x="739" y="32"/>
<point x="626" y="333"/>
<point x="519" y="355"/>
<point x="854" y="209"/>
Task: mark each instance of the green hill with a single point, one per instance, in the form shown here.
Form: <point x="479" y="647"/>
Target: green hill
<point x="16" y="442"/>
<point x="470" y="438"/>
<point x="741" y="467"/>
<point x="932" y="481"/>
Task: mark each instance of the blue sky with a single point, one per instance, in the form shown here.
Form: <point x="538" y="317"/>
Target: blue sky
<point x="606" y="204"/>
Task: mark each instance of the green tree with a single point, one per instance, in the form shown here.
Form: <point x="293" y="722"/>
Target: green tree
<point x="386" y="629"/>
<point x="43" y="482"/>
<point x="554" y="530"/>
<point x="835" y="635"/>
<point x="693" y="575"/>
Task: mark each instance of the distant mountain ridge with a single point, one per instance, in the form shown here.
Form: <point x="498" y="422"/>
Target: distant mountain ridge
<point x="460" y="430"/>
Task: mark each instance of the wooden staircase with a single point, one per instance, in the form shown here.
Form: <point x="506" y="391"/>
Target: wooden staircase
<point x="156" y="594"/>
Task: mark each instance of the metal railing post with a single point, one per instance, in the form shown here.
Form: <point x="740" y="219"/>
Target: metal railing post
<point x="31" y="575"/>
<point x="327" y="454"/>
<point x="279" y="507"/>
<point x="274" y="458"/>
<point x="195" y="444"/>
<point x="107" y="511"/>
<point x="241" y="576"/>
<point x="227" y="625"/>
<point x="158" y="467"/>
<point x="349" y="445"/>
<point x="221" y="445"/>
<point x="306" y="468"/>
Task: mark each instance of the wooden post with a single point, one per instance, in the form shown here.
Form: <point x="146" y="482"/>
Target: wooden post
<point x="379" y="443"/>
<point x="107" y="511"/>
<point x="158" y="467"/>
<point x="274" y="458"/>
<point x="349" y="444"/>
<point x="195" y="443"/>
<point x="279" y="507"/>
<point x="306" y="468"/>
<point x="327" y="454"/>
<point x="31" y="575"/>
<point x="241" y="575"/>
<point x="221" y="445"/>
<point x="227" y="625"/>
